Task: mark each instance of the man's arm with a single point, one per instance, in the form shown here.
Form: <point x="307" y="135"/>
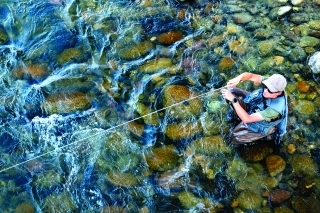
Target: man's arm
<point x="246" y="76"/>
<point x="243" y="115"/>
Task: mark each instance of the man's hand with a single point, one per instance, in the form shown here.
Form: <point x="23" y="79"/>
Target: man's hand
<point x="226" y="94"/>
<point x="234" y="82"/>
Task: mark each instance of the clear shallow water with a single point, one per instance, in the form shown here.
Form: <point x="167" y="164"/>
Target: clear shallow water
<point x="76" y="77"/>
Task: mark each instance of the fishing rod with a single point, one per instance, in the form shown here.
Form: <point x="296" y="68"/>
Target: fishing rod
<point x="111" y="128"/>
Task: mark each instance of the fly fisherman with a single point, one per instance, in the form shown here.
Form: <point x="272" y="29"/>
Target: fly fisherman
<point x="262" y="112"/>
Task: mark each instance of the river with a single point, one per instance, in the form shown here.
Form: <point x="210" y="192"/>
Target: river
<point x="115" y="106"/>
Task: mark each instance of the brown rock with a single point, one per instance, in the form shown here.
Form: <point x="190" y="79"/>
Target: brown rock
<point x="275" y="164"/>
<point x="226" y="63"/>
<point x="170" y="37"/>
<point x="278" y="196"/>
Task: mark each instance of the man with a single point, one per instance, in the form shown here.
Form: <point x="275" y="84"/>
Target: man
<point x="262" y="112"/>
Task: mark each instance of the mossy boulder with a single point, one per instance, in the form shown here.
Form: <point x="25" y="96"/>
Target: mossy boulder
<point x="135" y="50"/>
<point x="162" y="158"/>
<point x="69" y="55"/>
<point x="155" y="65"/>
<point x="25" y="208"/>
<point x="59" y="203"/>
<point x="68" y="102"/>
<point x="305" y="204"/>
<point x="210" y="145"/>
<point x="135" y="128"/>
<point x="4" y="38"/>
<point x="314" y="24"/>
<point x="189" y="201"/>
<point x="147" y="114"/>
<point x="304" y="164"/>
<point x="266" y="47"/>
<point x="118" y="143"/>
<point x="35" y="71"/>
<point x="187" y="108"/>
<point x="309" y="41"/>
<point x="184" y="130"/>
<point x="226" y="63"/>
<point x="239" y="46"/>
<point x="119" y="178"/>
<point x="250" y="200"/>
<point x="210" y="124"/>
<point x="169" y="38"/>
<point x="49" y="179"/>
<point x="257" y="153"/>
<point x="305" y="108"/>
<point x="275" y="164"/>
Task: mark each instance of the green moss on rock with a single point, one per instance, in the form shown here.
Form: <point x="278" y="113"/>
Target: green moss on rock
<point x="162" y="158"/>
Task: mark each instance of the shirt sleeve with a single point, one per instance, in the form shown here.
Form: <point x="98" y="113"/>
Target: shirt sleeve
<point x="269" y="114"/>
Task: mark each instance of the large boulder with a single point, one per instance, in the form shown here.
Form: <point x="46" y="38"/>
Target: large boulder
<point x="314" y="63"/>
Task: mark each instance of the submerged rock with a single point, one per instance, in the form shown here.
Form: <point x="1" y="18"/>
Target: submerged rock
<point x="305" y="108"/>
<point x="25" y="208"/>
<point x="35" y="71"/>
<point x="257" y="153"/>
<point x="162" y="158"/>
<point x="169" y="37"/>
<point x="3" y="37"/>
<point x="59" y="203"/>
<point x="304" y="164"/>
<point x="68" y="102"/>
<point x="135" y="51"/>
<point x="314" y="63"/>
<point x="190" y="201"/>
<point x="178" y="131"/>
<point x="278" y="196"/>
<point x="122" y="179"/>
<point x="69" y="55"/>
<point x="249" y="200"/>
<point x="155" y="65"/>
<point x="275" y="164"/>
<point x="174" y="94"/>
<point x="210" y="145"/>
<point x="305" y="204"/>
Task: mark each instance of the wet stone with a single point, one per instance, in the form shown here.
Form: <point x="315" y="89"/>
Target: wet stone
<point x="173" y="94"/>
<point x="69" y="55"/>
<point x="304" y="164"/>
<point x="249" y="200"/>
<point x="305" y="204"/>
<point x="279" y="196"/>
<point x="182" y="130"/>
<point x="120" y="178"/>
<point x="314" y="24"/>
<point x="170" y="37"/>
<point x="275" y="164"/>
<point x="3" y="36"/>
<point x="162" y="158"/>
<point x="242" y="18"/>
<point x="226" y="63"/>
<point x="62" y="103"/>
<point x="135" y="51"/>
<point x="314" y="63"/>
<point x="309" y="41"/>
<point x="305" y="108"/>
<point x="155" y="65"/>
<point x="34" y="71"/>
<point x="257" y="152"/>
<point x="210" y="145"/>
<point x="25" y="208"/>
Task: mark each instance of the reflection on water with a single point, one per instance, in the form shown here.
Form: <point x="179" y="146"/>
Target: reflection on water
<point x="114" y="106"/>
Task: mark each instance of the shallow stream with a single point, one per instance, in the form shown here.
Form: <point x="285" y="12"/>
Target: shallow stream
<point x="114" y="106"/>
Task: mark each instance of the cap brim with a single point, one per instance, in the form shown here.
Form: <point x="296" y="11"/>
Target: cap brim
<point x="270" y="87"/>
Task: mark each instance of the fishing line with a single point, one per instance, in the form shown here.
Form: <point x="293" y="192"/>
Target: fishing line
<point x="122" y="124"/>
